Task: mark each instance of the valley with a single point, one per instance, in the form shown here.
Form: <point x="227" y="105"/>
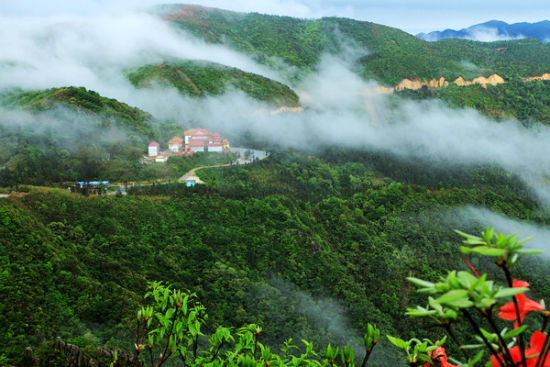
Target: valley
<point x="289" y="175"/>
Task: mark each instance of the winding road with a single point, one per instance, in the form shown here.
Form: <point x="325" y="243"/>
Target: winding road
<point x="190" y="176"/>
<point x="244" y="158"/>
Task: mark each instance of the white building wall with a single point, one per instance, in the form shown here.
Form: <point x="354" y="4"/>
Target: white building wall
<point x="153" y="151"/>
<point x="197" y="149"/>
<point x="217" y="149"/>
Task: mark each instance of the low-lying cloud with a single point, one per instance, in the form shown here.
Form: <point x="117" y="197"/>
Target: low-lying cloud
<point x="95" y="52"/>
<point x="487" y="34"/>
<point x="339" y="107"/>
<point x="62" y="126"/>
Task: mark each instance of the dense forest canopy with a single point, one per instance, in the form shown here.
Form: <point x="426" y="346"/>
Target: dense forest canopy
<point x="255" y="239"/>
<point x="525" y="101"/>
<point x="200" y="78"/>
<point x="389" y="54"/>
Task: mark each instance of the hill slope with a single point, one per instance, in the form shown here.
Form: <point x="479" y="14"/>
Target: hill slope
<point x="516" y="99"/>
<point x="494" y="30"/>
<point x="390" y="54"/>
<point x="77" y="266"/>
<point x="200" y="78"/>
<point x="108" y="110"/>
<point x="67" y="134"/>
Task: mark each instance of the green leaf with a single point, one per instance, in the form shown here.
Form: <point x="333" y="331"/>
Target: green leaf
<point x="489" y="251"/>
<point x="469" y="239"/>
<point x="472" y="346"/>
<point x="420" y="312"/>
<point x="455" y="298"/>
<point x="515" y="332"/>
<point x="399" y="343"/>
<point x="509" y="292"/>
<point x="477" y="358"/>
<point x="529" y="251"/>
<point x="170" y="313"/>
<point x="420" y="282"/>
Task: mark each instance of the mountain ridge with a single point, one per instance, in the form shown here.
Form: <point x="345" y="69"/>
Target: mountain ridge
<point x="197" y="78"/>
<point x="499" y="30"/>
<point x="386" y="54"/>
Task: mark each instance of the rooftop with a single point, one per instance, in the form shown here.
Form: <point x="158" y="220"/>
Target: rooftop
<point x="175" y="140"/>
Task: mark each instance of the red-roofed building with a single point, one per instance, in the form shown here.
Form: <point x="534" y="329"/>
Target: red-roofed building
<point x="202" y="140"/>
<point x="195" y="134"/>
<point x="175" y="144"/>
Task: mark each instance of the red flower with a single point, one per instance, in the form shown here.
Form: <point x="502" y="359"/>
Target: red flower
<point x="508" y="311"/>
<point x="440" y="355"/>
<point x="531" y="355"/>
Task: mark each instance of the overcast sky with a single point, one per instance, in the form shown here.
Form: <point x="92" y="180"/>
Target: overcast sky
<point x="412" y="16"/>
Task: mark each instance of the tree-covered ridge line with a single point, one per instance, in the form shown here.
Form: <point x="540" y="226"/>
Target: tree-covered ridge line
<point x="264" y="239"/>
<point x="391" y="55"/>
<point x="201" y="78"/>
<point x="108" y="111"/>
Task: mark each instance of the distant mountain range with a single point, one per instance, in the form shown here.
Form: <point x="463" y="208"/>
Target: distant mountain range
<point x="494" y="30"/>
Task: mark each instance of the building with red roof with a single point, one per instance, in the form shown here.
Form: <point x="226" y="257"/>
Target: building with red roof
<point x="202" y="140"/>
<point x="175" y="144"/>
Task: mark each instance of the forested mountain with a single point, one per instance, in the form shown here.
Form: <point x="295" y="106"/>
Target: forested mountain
<point x="107" y="111"/>
<point x="281" y="242"/>
<point x="516" y="99"/>
<point x="201" y="78"/>
<point x="313" y="242"/>
<point x="388" y="54"/>
<point x="494" y="30"/>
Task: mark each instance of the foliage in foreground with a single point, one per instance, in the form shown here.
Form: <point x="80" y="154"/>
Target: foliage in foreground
<point x="171" y="329"/>
<point x="462" y="297"/>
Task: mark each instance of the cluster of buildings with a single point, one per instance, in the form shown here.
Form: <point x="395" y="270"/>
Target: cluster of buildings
<point x="194" y="140"/>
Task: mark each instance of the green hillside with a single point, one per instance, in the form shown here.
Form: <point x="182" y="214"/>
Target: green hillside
<point x="201" y="78"/>
<point x="517" y="99"/>
<point x="108" y="111"/>
<point x="392" y="53"/>
<point x="254" y="247"/>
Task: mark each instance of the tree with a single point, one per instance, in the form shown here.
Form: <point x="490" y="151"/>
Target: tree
<point x="471" y="298"/>
<point x="171" y="329"/>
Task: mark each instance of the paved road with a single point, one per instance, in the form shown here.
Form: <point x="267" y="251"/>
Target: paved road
<point x="243" y="158"/>
<point x="192" y="176"/>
